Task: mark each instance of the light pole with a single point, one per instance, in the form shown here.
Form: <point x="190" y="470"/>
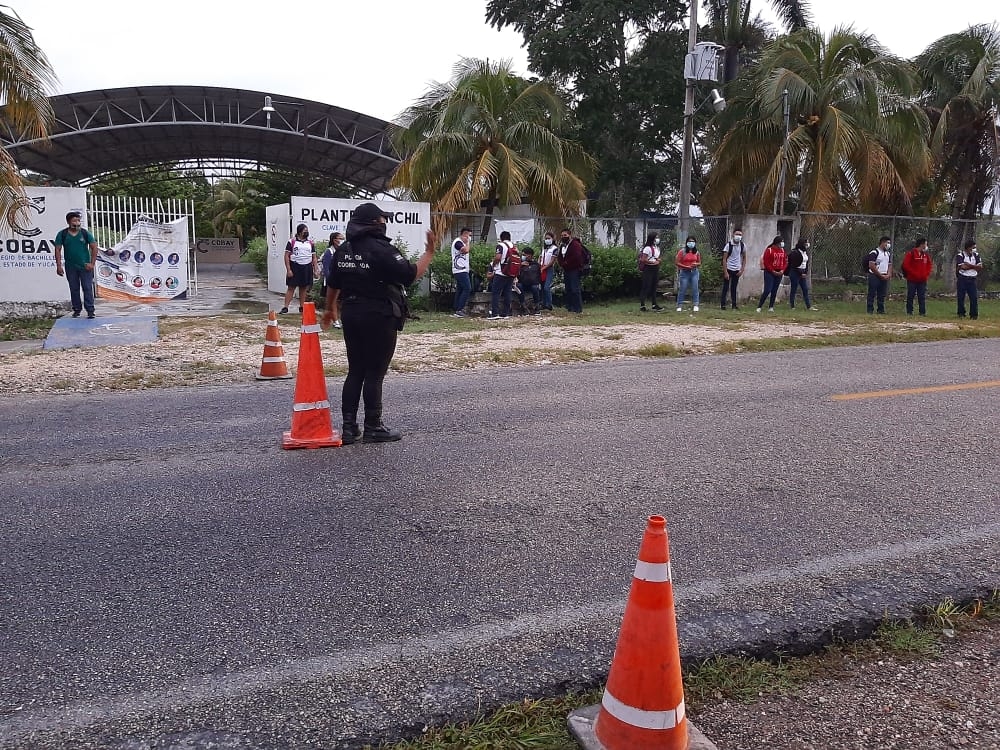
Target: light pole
<point x="700" y="64"/>
<point x="687" y="154"/>
<point x="779" y="196"/>
<point x="268" y="108"/>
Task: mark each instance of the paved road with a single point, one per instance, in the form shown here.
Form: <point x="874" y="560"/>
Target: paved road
<point x="171" y="578"/>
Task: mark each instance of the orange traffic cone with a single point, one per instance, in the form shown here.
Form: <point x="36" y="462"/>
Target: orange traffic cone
<point x="643" y="704"/>
<point x="273" y="365"/>
<point x="311" y="426"/>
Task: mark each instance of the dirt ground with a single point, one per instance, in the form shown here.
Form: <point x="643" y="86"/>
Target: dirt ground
<point x="228" y="348"/>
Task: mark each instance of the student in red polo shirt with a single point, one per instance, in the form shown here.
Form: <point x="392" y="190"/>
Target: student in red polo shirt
<point x="773" y="263"/>
<point x="917" y="267"/>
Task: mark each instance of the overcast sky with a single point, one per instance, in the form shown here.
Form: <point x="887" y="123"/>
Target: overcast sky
<point x="373" y="57"/>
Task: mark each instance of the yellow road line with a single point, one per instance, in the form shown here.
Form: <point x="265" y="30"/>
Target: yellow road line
<point x="912" y="391"/>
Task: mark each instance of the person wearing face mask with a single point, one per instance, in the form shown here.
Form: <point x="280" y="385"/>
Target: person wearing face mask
<point x="372" y="277"/>
<point x="916" y="267"/>
<point x="734" y="261"/>
<point x="301" y="266"/>
<point x="331" y="296"/>
<point x="798" y="272"/>
<point x="879" y="273"/>
<point x="570" y="257"/>
<point x="688" y="263"/>
<point x="547" y="261"/>
<point x="773" y="263"/>
<point x="649" y="267"/>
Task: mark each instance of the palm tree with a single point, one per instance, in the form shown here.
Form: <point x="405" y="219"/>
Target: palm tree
<point x="960" y="78"/>
<point x="730" y="24"/>
<point x="489" y="137"/>
<point x="26" y="78"/>
<point x="858" y="142"/>
<point x="237" y="204"/>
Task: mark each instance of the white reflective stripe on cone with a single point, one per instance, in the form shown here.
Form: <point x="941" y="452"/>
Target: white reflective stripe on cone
<point x="636" y="717"/>
<point x="311" y="329"/>
<point x="273" y="323"/>
<point x="272" y="343"/>
<point x="274" y="359"/>
<point x="652" y="572"/>
<point x="311" y="405"/>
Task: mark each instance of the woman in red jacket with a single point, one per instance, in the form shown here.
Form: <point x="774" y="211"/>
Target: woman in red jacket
<point x="773" y="263"/>
<point x="917" y="267"/>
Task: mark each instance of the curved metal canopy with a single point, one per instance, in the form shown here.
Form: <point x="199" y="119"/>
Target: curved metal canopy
<point x="113" y="129"/>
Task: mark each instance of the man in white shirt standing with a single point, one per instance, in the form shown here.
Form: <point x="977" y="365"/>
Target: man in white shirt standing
<point x="460" y="270"/>
<point x="301" y="266"/>
<point x="968" y="264"/>
<point x="879" y="273"/>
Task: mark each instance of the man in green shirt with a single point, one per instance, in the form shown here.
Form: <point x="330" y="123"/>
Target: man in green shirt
<point x="80" y="250"/>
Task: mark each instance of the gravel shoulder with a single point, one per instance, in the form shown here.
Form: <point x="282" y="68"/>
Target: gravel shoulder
<point x="866" y="701"/>
<point x="223" y="349"/>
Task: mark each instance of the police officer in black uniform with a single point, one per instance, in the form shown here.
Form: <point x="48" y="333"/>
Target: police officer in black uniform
<point x="372" y="276"/>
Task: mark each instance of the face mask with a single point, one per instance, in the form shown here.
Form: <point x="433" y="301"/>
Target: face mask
<point x="781" y="244"/>
<point x="548" y="241"/>
<point x="808" y="246"/>
<point x="305" y="235"/>
<point x="737" y="238"/>
<point x="656" y="241"/>
<point x="888" y="246"/>
<point x="564" y="240"/>
<point x="690" y="246"/>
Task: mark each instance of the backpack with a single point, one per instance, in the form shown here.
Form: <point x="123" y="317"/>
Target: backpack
<point x="510" y="262"/>
<point x="588" y="261"/>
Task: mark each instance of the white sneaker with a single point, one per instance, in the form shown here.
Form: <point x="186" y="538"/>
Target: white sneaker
<point x="813" y="309"/>
<point x="337" y="324"/>
<point x="770" y="309"/>
<point x="758" y="309"/>
<point x="493" y="317"/>
<point x="679" y="309"/>
<point x="696" y="308"/>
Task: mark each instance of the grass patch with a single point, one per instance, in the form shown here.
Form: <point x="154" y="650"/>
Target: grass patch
<point x="25" y="329"/>
<point x="658" y="350"/>
<point x="542" y="723"/>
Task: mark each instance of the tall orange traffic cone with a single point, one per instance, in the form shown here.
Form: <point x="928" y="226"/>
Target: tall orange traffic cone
<point x="643" y="704"/>
<point x="311" y="426"/>
<point x="273" y="365"/>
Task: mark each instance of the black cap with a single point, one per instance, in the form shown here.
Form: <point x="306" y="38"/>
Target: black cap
<point x="368" y="213"/>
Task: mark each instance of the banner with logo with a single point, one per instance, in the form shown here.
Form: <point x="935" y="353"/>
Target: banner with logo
<point x="217" y="250"/>
<point x="408" y="222"/>
<point x="149" y="265"/>
<point x="27" y="251"/>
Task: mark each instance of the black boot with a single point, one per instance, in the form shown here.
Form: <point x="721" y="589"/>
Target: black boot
<point x="351" y="432"/>
<point x="379" y="433"/>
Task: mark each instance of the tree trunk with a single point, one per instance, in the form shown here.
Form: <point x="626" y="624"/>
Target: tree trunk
<point x="488" y="221"/>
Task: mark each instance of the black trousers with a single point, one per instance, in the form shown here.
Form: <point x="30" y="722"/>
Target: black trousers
<point x="729" y="287"/>
<point x="370" y="339"/>
<point x="650" y="277"/>
<point x="966" y="287"/>
<point x="918" y="290"/>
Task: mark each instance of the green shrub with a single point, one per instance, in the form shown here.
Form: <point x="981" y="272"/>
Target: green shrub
<point x="615" y="273"/>
<point x="257" y="254"/>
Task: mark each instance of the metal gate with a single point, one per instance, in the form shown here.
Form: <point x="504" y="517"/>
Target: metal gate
<point x="110" y="217"/>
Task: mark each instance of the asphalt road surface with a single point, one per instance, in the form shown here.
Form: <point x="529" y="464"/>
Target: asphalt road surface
<point x="171" y="578"/>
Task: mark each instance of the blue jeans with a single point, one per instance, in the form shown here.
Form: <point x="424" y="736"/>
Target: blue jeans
<point x="501" y="290"/>
<point x="550" y="279"/>
<point x="77" y="278"/>
<point x="688" y="278"/>
<point x="877" y="287"/>
<point x="918" y="290"/>
<point x="574" y="291"/>
<point x="463" y="288"/>
<point x="966" y="285"/>
<point x="798" y="279"/>
<point x="771" y="284"/>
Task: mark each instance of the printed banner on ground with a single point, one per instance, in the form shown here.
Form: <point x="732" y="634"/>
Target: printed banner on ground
<point x="149" y="265"/>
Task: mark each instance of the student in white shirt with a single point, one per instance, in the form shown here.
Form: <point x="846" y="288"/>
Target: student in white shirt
<point x="649" y="266"/>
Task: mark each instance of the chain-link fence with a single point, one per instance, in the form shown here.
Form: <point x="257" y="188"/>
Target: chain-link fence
<point x="841" y="242"/>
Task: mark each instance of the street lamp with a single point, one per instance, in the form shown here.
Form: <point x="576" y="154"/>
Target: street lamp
<point x="268" y="108"/>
